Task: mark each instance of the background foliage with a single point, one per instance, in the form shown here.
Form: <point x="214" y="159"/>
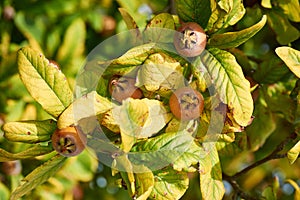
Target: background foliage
<point x="66" y="31"/>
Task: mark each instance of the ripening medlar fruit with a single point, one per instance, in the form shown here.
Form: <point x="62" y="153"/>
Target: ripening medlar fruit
<point x="69" y="141"/>
<point x="122" y="88"/>
<point x="186" y="103"/>
<point x="190" y="39"/>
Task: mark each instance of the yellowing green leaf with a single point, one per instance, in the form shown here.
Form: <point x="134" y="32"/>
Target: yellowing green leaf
<point x="160" y="29"/>
<point x="160" y="72"/>
<point x="225" y="13"/>
<point x="296" y="187"/>
<point x="234" y="39"/>
<point x="130" y="23"/>
<point x="291" y="58"/>
<point x="44" y="81"/>
<point x="291" y="9"/>
<point x="293" y="153"/>
<point x="29" y="131"/>
<point x="139" y="119"/>
<point x="211" y="184"/>
<point x="169" y="184"/>
<point x="38" y="176"/>
<point x="144" y="183"/>
<point x="86" y="106"/>
<point x="34" y="151"/>
<point x="230" y="83"/>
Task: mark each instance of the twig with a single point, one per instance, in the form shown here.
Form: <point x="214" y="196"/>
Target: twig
<point x="274" y="155"/>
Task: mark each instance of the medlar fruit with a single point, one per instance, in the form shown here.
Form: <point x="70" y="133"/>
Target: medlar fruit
<point x="69" y="141"/>
<point x="190" y="39"/>
<point x="186" y="103"/>
<point x="122" y="88"/>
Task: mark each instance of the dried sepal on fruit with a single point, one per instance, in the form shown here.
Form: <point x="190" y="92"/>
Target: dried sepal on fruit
<point x="186" y="103"/>
<point x="190" y="39"/>
<point x="69" y="141"/>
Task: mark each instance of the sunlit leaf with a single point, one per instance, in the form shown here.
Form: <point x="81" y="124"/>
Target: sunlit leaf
<point x="44" y="81"/>
<point x="234" y="39"/>
<point x="211" y="184"/>
<point x="29" y="131"/>
<point x="159" y="29"/>
<point x="86" y="106"/>
<point x="230" y="84"/>
<point x="291" y="57"/>
<point x="144" y="183"/>
<point x="139" y="119"/>
<point x="34" y="151"/>
<point x="169" y="184"/>
<point x="194" y="11"/>
<point x="293" y="153"/>
<point x="291" y="9"/>
<point x="38" y="176"/>
<point x="225" y="13"/>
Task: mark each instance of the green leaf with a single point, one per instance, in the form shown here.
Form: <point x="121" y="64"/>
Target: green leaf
<point x="261" y="127"/>
<point x="167" y="148"/>
<point x="189" y="157"/>
<point x="44" y="81"/>
<point x="169" y="184"/>
<point x="271" y="70"/>
<point x="139" y="119"/>
<point x="291" y="58"/>
<point x="194" y="11"/>
<point x="160" y="29"/>
<point x="268" y="194"/>
<point x="234" y="39"/>
<point x="29" y="131"/>
<point x="293" y="153"/>
<point x="285" y="32"/>
<point x="230" y="83"/>
<point x="38" y="176"/>
<point x="4" y="191"/>
<point x="88" y="105"/>
<point x="73" y="43"/>
<point x="211" y="184"/>
<point x="34" y="151"/>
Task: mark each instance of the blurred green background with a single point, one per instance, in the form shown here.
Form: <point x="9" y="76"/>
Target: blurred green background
<point x="66" y="31"/>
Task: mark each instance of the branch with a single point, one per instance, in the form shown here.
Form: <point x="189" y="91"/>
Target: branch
<point x="274" y="155"/>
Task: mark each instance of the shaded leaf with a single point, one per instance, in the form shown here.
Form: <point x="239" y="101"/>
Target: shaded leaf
<point x="261" y="128"/>
<point x="73" y="43"/>
<point x="211" y="184"/>
<point x="29" y="131"/>
<point x="194" y="11"/>
<point x="230" y="83"/>
<point x="291" y="58"/>
<point x="38" y="176"/>
<point x="34" y="151"/>
<point x="234" y="39"/>
<point x="44" y="81"/>
<point x="285" y="32"/>
<point x="296" y="187"/>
